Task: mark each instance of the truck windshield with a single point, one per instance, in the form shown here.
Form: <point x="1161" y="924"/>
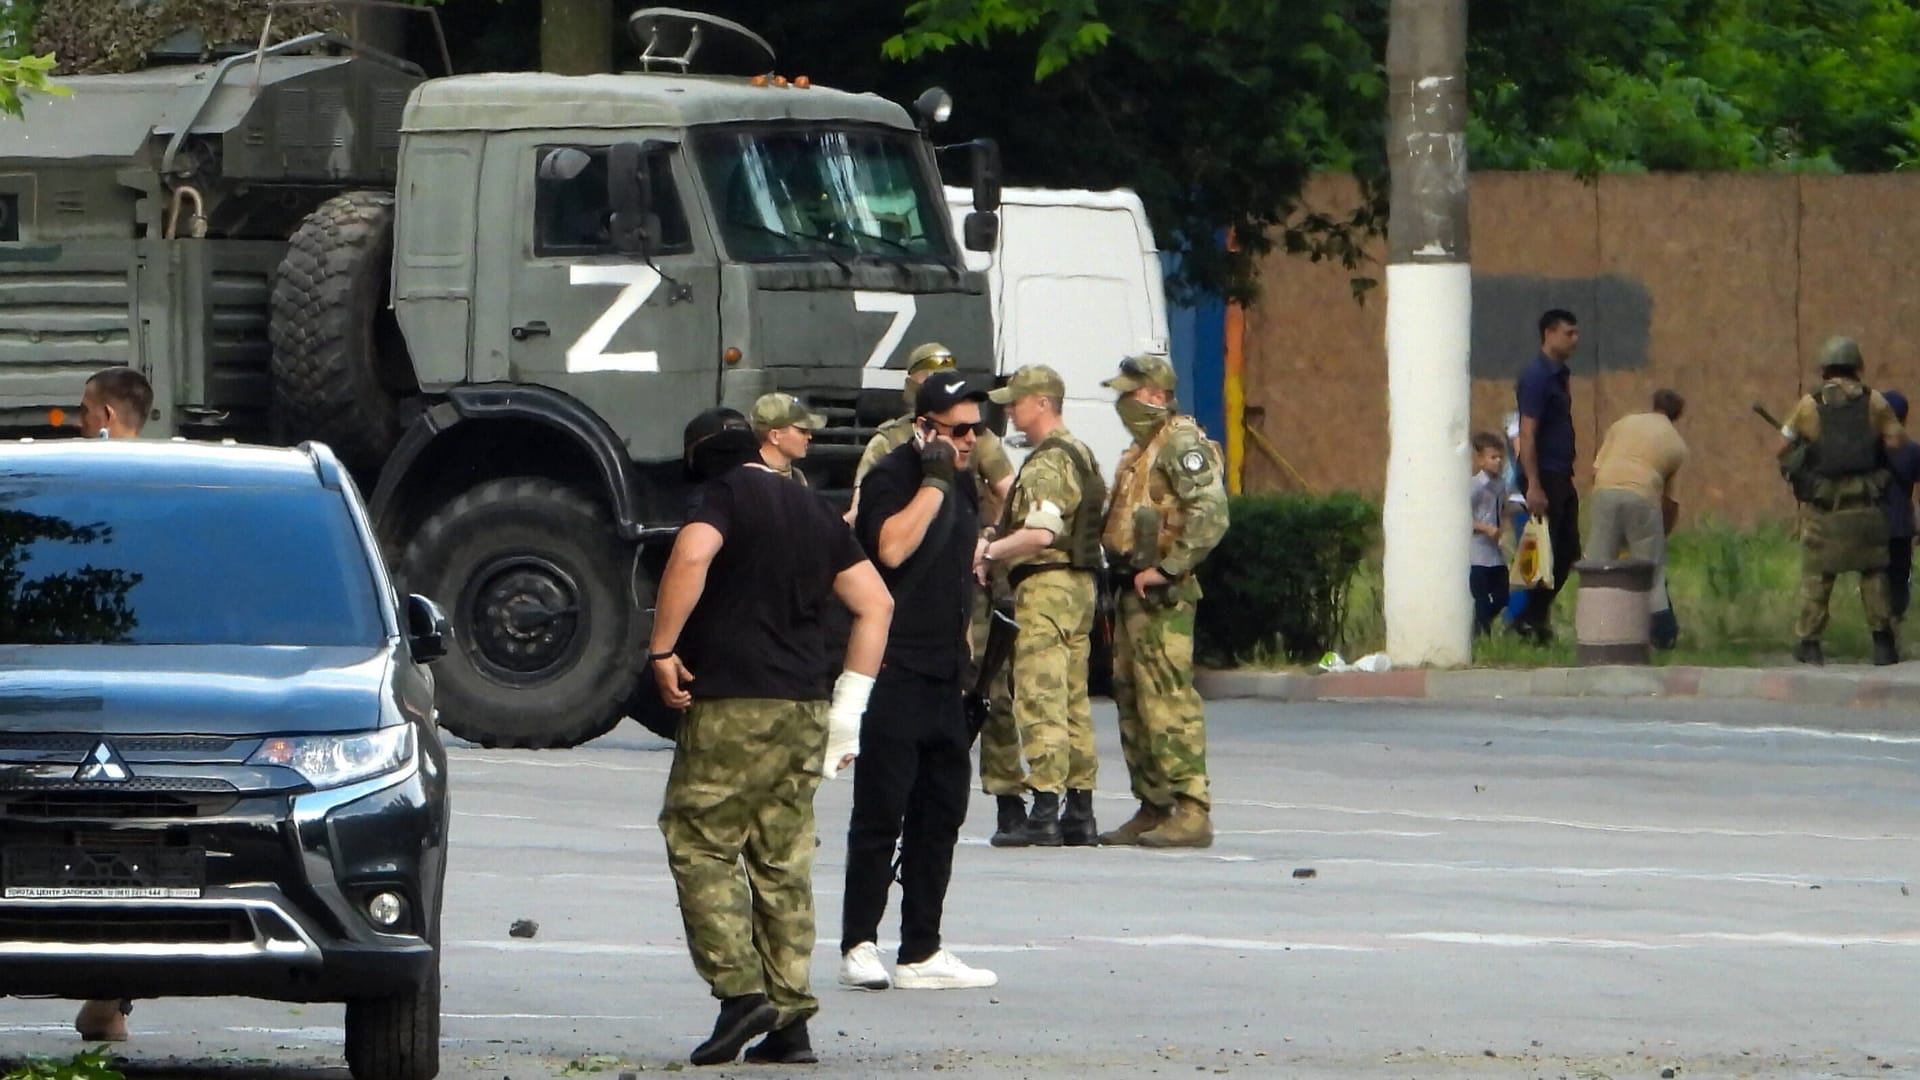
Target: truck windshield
<point x="138" y="564"/>
<point x="808" y="192"/>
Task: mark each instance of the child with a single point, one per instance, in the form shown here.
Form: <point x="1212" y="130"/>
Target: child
<point x="1487" y="576"/>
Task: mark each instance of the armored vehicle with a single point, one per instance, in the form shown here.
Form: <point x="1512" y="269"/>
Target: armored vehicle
<point x="498" y="298"/>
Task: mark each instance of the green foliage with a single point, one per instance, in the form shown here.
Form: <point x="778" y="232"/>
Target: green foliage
<point x="94" y="1064"/>
<point x="23" y="75"/>
<point x="1281" y="575"/>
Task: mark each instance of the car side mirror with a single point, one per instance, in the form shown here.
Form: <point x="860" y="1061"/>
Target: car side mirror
<point x="630" y="194"/>
<point x="981" y="230"/>
<point x="427" y="630"/>
<point x="986" y="175"/>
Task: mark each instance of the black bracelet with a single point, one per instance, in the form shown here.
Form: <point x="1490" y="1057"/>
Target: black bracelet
<point x="656" y="657"/>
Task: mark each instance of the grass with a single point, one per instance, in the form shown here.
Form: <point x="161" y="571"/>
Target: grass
<point x="1735" y="590"/>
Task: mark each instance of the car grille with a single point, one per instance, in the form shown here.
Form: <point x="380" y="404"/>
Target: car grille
<point x="104" y="927"/>
<point x="157" y="797"/>
<point x="137" y="744"/>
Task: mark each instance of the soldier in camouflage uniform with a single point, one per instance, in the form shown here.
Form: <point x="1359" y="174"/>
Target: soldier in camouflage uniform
<point x="1000" y="772"/>
<point x="740" y="606"/>
<point x="1833" y="449"/>
<point x="1049" y="543"/>
<point x="785" y="428"/>
<point x="1169" y="510"/>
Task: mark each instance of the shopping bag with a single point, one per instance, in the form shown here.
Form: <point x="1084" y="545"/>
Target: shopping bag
<point x="1533" y="557"/>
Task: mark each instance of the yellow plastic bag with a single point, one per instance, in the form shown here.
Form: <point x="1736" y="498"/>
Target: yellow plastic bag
<point x="1533" y="557"/>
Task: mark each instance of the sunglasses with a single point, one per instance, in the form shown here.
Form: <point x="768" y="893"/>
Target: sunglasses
<point x="956" y="431"/>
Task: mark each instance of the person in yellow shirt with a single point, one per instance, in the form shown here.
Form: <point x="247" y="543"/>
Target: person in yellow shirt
<point x="1633" y="507"/>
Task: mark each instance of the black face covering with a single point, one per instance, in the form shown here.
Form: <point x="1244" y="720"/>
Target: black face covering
<point x="725" y="449"/>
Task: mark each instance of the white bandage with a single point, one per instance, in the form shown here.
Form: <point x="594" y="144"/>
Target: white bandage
<point x="850" y="693"/>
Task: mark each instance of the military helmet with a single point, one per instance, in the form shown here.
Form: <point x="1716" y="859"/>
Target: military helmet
<point x="1840" y="354"/>
<point x="929" y="357"/>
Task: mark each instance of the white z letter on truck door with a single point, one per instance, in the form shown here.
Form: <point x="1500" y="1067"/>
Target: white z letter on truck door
<point x="590" y="352"/>
<point x="901" y="307"/>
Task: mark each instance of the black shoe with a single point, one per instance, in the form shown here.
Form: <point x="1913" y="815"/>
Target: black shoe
<point x="1808" y="652"/>
<point x="741" y="1018"/>
<point x="1042" y="827"/>
<point x="1885" y="650"/>
<point x="784" y="1046"/>
<point x="1013" y="817"/>
<point x="1076" y="821"/>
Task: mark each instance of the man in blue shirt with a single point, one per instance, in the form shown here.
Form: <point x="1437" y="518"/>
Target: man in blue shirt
<point x="1545" y="449"/>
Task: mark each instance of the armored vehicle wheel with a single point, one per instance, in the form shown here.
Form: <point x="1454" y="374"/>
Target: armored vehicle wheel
<point x="549" y="613"/>
<point x="339" y="364"/>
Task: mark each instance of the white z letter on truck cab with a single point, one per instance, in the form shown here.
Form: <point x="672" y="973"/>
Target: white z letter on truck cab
<point x="590" y="352"/>
<point x="902" y="307"/>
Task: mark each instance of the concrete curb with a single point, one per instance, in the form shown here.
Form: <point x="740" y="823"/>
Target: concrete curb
<point x="1896" y="688"/>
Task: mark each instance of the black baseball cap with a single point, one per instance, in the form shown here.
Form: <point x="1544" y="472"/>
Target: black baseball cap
<point x="945" y="389"/>
<point x="710" y="423"/>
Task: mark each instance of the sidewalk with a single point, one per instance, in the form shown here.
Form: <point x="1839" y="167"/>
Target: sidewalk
<point x="1892" y="692"/>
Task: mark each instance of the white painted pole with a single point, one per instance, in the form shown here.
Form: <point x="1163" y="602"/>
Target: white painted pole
<point x="1426" y="520"/>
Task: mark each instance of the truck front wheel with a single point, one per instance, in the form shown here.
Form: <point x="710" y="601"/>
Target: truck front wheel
<point x="549" y="612"/>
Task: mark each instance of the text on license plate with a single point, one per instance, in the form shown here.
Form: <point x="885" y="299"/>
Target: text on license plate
<point x="35" y="892"/>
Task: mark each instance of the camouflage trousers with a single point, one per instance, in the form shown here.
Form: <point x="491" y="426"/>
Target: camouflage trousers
<point x="1163" y="728"/>
<point x="1000" y="770"/>
<point x="741" y="792"/>
<point x="1054" y="610"/>
<point x="1817" y="589"/>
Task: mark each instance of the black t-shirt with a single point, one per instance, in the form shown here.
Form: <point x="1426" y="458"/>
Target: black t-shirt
<point x="756" y="632"/>
<point x="930" y="619"/>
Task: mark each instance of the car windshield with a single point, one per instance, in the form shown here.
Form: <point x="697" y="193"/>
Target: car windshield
<point x="806" y="192"/>
<point x="141" y="564"/>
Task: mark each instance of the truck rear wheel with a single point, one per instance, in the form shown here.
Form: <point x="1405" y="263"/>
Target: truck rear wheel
<point x="549" y="612"/>
<point x="339" y="363"/>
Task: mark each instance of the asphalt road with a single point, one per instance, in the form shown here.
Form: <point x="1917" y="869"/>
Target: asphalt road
<point x="1577" y="891"/>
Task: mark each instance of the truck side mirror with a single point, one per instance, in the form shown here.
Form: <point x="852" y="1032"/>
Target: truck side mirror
<point x="427" y="630"/>
<point x="630" y="194"/>
<point x="986" y="175"/>
<point x="981" y="230"/>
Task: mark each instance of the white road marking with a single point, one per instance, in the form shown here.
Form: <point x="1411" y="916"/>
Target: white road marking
<point x="1738" y="877"/>
<point x="1195" y="941"/>
<point x="1585" y="826"/>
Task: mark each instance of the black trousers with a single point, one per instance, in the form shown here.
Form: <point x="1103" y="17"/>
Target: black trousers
<point x="1900" y="574"/>
<point x="1563" y="527"/>
<point x="1490" y="590"/>
<point x="910" y="788"/>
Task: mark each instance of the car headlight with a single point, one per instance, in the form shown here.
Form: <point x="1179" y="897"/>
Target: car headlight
<point x="328" y="761"/>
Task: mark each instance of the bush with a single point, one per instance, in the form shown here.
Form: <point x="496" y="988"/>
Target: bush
<point x="94" y="1064"/>
<point x="1281" y="575"/>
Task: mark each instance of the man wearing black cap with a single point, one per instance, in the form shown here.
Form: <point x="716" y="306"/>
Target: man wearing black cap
<point x="739" y="644"/>
<point x="919" y="520"/>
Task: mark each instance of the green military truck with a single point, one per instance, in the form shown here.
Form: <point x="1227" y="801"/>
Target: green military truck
<point x="498" y="297"/>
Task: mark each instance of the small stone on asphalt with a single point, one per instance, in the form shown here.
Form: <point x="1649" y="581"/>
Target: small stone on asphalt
<point x="523" y="928"/>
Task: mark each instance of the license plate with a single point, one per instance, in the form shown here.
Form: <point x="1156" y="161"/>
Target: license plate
<point x="48" y="872"/>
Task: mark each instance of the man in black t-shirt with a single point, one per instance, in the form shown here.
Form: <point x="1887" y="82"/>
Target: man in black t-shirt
<point x="919" y="520"/>
<point x="738" y="643"/>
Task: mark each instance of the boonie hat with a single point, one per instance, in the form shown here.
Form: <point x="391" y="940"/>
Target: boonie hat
<point x="1030" y="380"/>
<point x="1144" y="369"/>
<point x="778" y="410"/>
<point x="945" y="389"/>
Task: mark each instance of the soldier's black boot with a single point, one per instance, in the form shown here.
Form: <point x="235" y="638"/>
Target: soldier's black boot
<point x="1808" y="652"/>
<point x="1885" y="650"/>
<point x="784" y="1046"/>
<point x="1013" y="820"/>
<point x="1043" y="823"/>
<point x="1076" y="821"/>
<point x="741" y="1018"/>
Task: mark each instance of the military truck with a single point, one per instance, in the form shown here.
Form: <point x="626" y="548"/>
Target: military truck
<point x="498" y="297"/>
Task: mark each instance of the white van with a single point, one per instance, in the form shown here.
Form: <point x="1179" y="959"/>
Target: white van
<point x="1076" y="286"/>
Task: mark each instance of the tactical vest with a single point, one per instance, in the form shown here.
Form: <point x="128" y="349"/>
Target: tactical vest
<point x="1848" y="445"/>
<point x="1081" y="541"/>
<point x="1133" y="490"/>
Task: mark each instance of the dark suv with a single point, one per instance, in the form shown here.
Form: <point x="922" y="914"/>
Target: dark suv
<point x="219" y="772"/>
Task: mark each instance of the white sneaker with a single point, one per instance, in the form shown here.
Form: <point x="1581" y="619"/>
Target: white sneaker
<point x="861" y="969"/>
<point x="943" y="971"/>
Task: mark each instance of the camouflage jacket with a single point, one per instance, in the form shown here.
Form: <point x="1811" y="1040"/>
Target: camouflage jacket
<point x="1169" y="493"/>
<point x="1048" y="495"/>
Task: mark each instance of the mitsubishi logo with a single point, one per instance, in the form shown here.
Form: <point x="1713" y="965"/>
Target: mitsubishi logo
<point x="104" y="766"/>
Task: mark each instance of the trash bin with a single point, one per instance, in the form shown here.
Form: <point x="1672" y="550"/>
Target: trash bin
<point x="1612" y="621"/>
